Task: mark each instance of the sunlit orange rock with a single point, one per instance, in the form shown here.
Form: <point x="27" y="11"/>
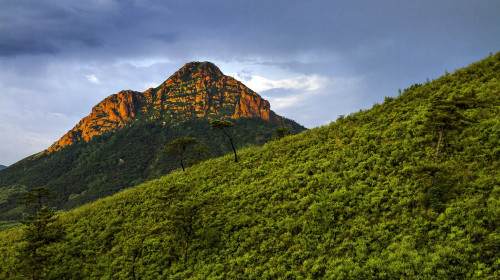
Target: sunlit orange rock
<point x="199" y="89"/>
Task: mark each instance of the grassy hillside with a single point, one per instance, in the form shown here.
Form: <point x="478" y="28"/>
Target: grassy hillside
<point x="369" y="196"/>
<point x="84" y="172"/>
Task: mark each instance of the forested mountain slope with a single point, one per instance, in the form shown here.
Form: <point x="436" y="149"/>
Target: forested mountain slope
<point x="406" y="190"/>
<point x="120" y="143"/>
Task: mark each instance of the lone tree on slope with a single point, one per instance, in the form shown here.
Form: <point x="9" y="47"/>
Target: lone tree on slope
<point x="179" y="146"/>
<point x="41" y="229"/>
<point x="35" y="198"/>
<point x="445" y="113"/>
<point x="199" y="154"/>
<point x="282" y="132"/>
<point x="223" y="125"/>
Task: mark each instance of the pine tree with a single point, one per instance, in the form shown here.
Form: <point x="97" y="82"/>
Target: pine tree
<point x="179" y="146"/>
<point x="184" y="212"/>
<point x="445" y="113"/>
<point x="199" y="154"/>
<point x="42" y="229"/>
<point x="282" y="132"/>
<point x="223" y="125"/>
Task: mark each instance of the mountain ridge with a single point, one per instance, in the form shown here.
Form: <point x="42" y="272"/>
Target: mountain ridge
<point x="198" y="89"/>
<point x="361" y="198"/>
<point x="120" y="143"/>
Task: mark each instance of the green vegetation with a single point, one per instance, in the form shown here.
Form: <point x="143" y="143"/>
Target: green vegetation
<point x="361" y="198"/>
<point x="282" y="132"/>
<point x="111" y="162"/>
<point x="179" y="146"/>
<point x="223" y="126"/>
<point x="41" y="230"/>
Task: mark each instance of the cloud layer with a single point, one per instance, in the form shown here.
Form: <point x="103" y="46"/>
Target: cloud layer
<point x="313" y="60"/>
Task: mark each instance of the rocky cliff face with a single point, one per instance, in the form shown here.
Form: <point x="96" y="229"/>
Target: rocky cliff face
<point x="199" y="89"/>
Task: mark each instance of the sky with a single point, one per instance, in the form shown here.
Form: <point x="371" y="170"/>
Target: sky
<point x="312" y="60"/>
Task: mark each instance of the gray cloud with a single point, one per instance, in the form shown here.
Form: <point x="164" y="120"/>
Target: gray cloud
<point x="49" y="49"/>
<point x="234" y="29"/>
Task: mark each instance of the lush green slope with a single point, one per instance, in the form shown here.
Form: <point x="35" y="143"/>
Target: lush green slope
<point x="362" y="198"/>
<point x="119" y="144"/>
<point x="83" y="172"/>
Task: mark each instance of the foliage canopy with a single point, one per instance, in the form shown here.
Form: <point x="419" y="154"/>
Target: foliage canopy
<point x="111" y="162"/>
<point x="179" y="147"/>
<point x="350" y="200"/>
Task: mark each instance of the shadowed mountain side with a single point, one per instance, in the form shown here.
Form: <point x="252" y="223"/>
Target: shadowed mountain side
<point x="408" y="189"/>
<point x="120" y="143"/>
<point x="197" y="90"/>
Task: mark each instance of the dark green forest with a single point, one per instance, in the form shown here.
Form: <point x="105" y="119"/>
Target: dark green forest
<point x="84" y="172"/>
<point x="408" y="189"/>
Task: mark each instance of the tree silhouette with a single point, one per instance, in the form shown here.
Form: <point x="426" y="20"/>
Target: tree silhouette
<point x="41" y="230"/>
<point x="184" y="211"/>
<point x="179" y="146"/>
<point x="282" y="132"/>
<point x="198" y="154"/>
<point x="223" y="125"/>
<point x="444" y="114"/>
<point x="34" y="199"/>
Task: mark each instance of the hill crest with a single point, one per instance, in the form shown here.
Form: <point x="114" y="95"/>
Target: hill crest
<point x="197" y="90"/>
<point x="361" y="198"/>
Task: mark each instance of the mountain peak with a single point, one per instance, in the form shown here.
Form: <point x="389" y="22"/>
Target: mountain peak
<point x="198" y="69"/>
<point x="197" y="90"/>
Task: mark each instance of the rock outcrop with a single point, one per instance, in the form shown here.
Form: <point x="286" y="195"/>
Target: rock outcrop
<point x="199" y="89"/>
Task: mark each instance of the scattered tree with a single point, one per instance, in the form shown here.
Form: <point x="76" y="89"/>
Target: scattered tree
<point x="282" y="132"/>
<point x="184" y="215"/>
<point x="223" y="125"/>
<point x="33" y="200"/>
<point x="41" y="230"/>
<point x="179" y="147"/>
<point x="199" y="154"/>
<point x="444" y="115"/>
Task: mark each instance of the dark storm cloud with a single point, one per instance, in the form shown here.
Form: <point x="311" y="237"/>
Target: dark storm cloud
<point x="35" y="27"/>
<point x="58" y="58"/>
<point x="232" y="29"/>
<point x="26" y="46"/>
